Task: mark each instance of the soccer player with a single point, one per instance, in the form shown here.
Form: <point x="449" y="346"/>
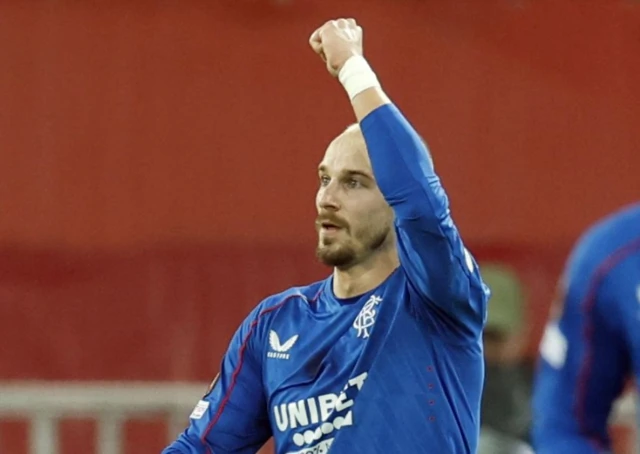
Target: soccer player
<point x="592" y="342"/>
<point x="385" y="355"/>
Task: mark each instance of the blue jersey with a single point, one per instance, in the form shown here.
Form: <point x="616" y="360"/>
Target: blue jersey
<point x="592" y="343"/>
<point x="396" y="370"/>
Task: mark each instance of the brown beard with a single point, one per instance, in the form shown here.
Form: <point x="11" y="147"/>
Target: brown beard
<point x="340" y="257"/>
<point x="345" y="256"/>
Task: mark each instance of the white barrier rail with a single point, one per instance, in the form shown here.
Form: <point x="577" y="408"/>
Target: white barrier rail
<point x="110" y="404"/>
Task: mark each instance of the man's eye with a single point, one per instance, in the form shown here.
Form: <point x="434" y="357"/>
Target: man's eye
<point x="324" y="180"/>
<point x="353" y="183"/>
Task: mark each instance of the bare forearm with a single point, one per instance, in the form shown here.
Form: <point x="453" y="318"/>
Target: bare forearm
<point x="367" y="101"/>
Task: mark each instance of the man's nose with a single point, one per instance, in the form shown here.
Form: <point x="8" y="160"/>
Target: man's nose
<point x="328" y="198"/>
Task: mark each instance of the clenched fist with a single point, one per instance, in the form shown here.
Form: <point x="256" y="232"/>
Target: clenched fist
<point x="336" y="41"/>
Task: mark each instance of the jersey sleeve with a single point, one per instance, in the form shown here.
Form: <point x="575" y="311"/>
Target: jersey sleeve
<point x="232" y="417"/>
<point x="432" y="254"/>
<point x="583" y="360"/>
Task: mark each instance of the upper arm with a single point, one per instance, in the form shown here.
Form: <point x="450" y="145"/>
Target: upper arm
<point x="583" y="360"/>
<point x="432" y="253"/>
<point x="232" y="417"/>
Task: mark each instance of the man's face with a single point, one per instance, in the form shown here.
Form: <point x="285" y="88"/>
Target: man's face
<point x="354" y="221"/>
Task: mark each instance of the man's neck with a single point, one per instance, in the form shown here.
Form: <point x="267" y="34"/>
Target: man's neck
<point x="365" y="276"/>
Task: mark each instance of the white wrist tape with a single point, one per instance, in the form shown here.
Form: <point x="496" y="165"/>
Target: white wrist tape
<point x="356" y="76"/>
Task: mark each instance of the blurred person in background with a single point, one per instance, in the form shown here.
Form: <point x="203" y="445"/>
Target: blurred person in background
<point x="506" y="414"/>
<point x="591" y="344"/>
<point x="385" y="355"/>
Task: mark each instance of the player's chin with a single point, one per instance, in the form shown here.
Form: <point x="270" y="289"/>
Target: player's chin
<point x="331" y="244"/>
<point x="334" y="254"/>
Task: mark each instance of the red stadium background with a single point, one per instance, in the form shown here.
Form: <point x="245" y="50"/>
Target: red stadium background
<point x="157" y="162"/>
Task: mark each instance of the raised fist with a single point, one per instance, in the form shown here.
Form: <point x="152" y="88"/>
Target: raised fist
<point x="336" y="41"/>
